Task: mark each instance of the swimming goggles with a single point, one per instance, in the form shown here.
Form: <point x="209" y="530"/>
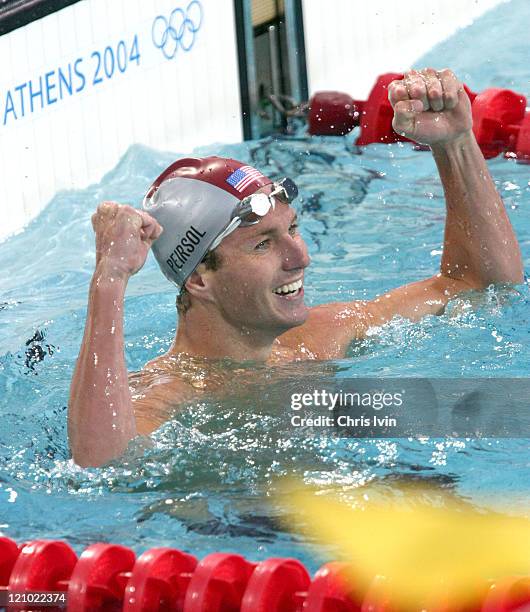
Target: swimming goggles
<point x="251" y="209"/>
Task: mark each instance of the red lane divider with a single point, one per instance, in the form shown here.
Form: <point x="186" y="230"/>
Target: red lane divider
<point x="99" y="579"/>
<point x="276" y="585"/>
<point x="522" y="146"/>
<point x="109" y="578"/>
<point x="497" y="114"/>
<point x="8" y="555"/>
<point x="218" y="583"/>
<point x="333" y="113"/>
<point x="377" y="114"/>
<point x="159" y="581"/>
<point x="331" y="590"/>
<point x="501" y="123"/>
<point x="377" y="597"/>
<point x="42" y="565"/>
<point x="508" y="595"/>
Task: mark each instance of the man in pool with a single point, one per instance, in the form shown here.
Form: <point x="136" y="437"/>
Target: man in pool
<point x="226" y="235"/>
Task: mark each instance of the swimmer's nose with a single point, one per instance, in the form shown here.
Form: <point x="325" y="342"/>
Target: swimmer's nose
<point x="294" y="254"/>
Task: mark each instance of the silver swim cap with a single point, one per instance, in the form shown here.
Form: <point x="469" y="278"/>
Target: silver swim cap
<point x="194" y="201"/>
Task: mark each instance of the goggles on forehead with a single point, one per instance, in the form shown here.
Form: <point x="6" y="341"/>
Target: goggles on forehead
<point x="251" y="209"/>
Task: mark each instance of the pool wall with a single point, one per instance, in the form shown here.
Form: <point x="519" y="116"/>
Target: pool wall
<point x="348" y="44"/>
<point x="79" y="86"/>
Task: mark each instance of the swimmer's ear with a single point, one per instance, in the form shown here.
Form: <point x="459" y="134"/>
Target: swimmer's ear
<point x="198" y="284"/>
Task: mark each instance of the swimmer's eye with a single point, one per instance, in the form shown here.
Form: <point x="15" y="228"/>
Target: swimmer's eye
<point x="262" y="245"/>
<point x="293" y="229"/>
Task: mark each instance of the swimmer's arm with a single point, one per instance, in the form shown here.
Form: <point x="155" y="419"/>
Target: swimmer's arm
<point x="100" y="413"/>
<point x="480" y="249"/>
<point x="331" y="328"/>
<point x="480" y="246"/>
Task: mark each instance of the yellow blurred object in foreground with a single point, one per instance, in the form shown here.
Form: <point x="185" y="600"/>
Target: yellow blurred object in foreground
<point x="426" y="552"/>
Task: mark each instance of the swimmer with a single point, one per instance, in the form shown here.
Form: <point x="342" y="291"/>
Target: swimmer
<point x="228" y="238"/>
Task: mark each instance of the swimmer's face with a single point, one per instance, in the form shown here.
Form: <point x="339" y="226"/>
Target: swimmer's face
<point x="258" y="261"/>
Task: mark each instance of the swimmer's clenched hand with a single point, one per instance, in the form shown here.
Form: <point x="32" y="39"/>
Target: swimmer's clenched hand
<point x="124" y="236"/>
<point x="430" y="107"/>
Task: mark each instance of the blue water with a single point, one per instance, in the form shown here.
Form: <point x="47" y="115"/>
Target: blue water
<point x="373" y="220"/>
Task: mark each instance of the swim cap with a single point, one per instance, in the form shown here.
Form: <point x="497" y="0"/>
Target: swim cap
<point x="193" y="200"/>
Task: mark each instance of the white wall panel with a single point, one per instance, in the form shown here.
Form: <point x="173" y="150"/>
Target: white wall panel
<point x="171" y="104"/>
<point x="350" y="42"/>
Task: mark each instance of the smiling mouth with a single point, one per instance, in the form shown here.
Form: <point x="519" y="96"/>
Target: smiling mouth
<point x="290" y="290"/>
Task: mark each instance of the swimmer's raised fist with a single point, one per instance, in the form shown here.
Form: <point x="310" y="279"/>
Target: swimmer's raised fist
<point x="124" y="236"/>
<point x="430" y="106"/>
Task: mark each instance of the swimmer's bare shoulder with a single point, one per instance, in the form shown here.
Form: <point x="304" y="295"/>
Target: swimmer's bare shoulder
<point x="331" y="328"/>
<point x="328" y="331"/>
<point x="156" y="393"/>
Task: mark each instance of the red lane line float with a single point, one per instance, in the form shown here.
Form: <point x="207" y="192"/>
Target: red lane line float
<point x="377" y="114"/>
<point x="377" y="597"/>
<point x="108" y="578"/>
<point x="500" y="121"/>
<point x="333" y="113"/>
<point x="332" y="591"/>
<point x="99" y="578"/>
<point x="508" y="595"/>
<point x="218" y="583"/>
<point x="42" y="565"/>
<point x="496" y="117"/>
<point x="470" y="94"/>
<point x="159" y="581"/>
<point x="8" y="555"/>
<point x="522" y="146"/>
<point x="276" y="585"/>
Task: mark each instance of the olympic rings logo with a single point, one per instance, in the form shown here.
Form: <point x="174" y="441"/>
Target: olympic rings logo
<point x="179" y="30"/>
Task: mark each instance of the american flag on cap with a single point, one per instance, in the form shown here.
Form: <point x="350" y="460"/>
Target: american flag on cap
<point x="243" y="177"/>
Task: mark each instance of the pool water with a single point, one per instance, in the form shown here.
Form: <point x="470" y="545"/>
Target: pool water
<point x="373" y="220"/>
